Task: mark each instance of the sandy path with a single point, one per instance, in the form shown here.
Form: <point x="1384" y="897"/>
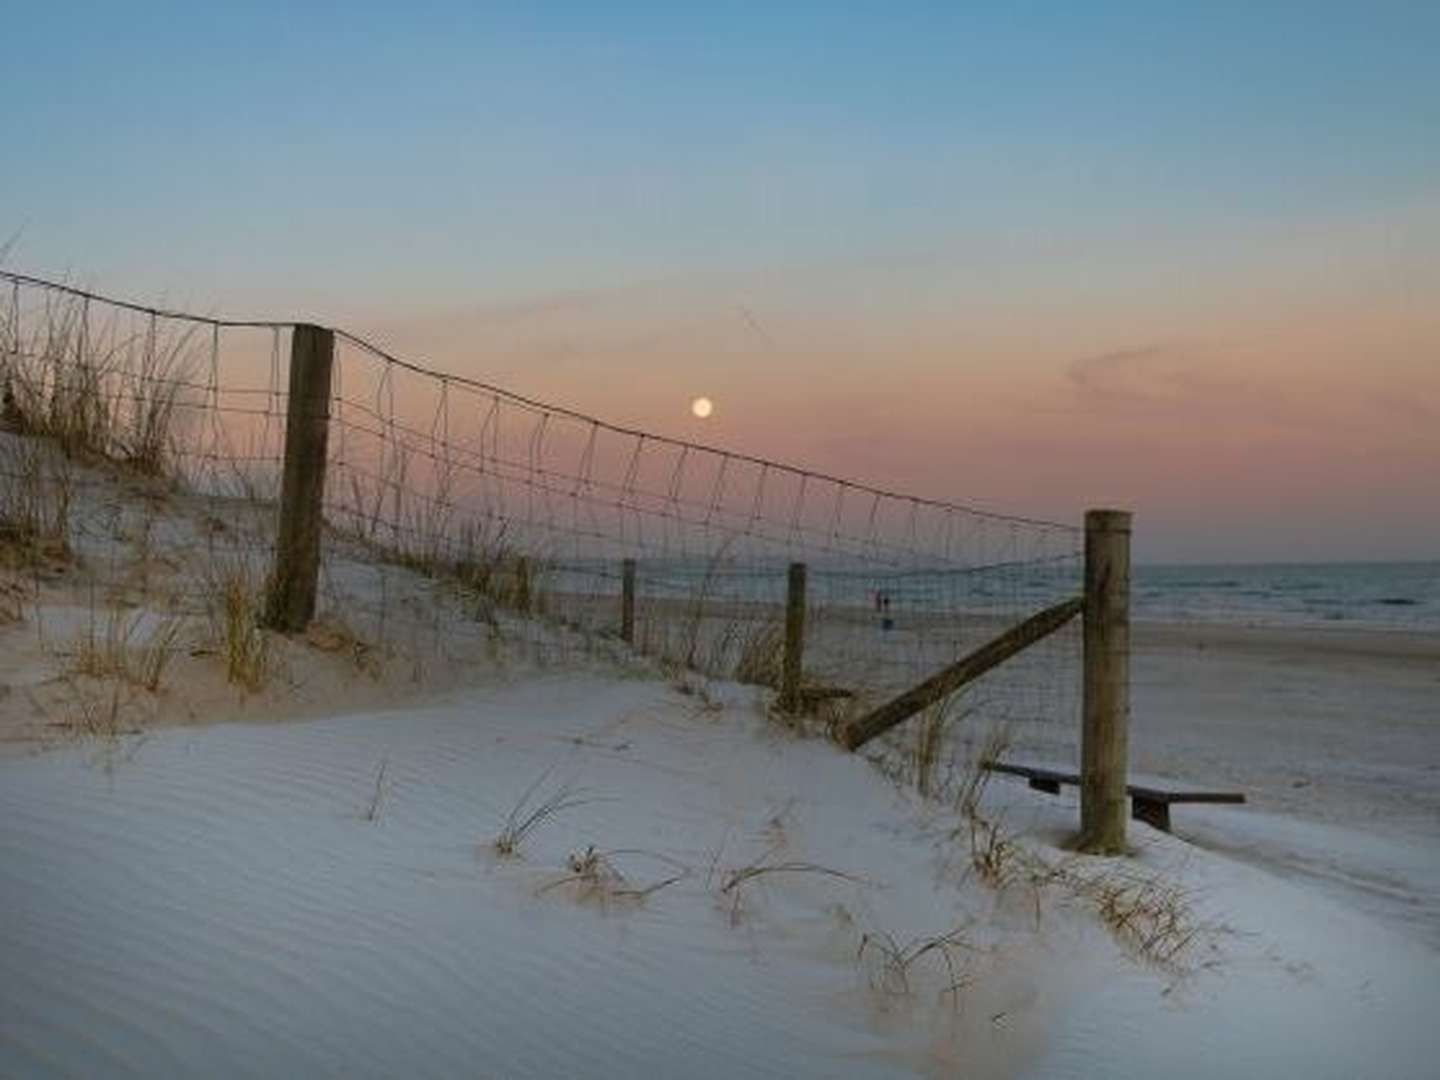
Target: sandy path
<point x="1333" y="735"/>
<point x="1335" y="726"/>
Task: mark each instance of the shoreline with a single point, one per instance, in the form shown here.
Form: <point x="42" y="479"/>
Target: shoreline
<point x="1358" y="641"/>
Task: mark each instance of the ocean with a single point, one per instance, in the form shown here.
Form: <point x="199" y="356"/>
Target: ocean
<point x="1381" y="596"/>
<point x="1385" y="596"/>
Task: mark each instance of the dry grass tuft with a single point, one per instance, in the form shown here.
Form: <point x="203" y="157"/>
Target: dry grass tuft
<point x="240" y="638"/>
<point x="330" y="633"/>
<point x="698" y="603"/>
<point x="95" y="715"/>
<point x="762" y="654"/>
<point x="977" y="775"/>
<point x="117" y="652"/>
<point x="377" y="796"/>
<point x="930" y="742"/>
<point x="524" y="819"/>
<point x="12" y="602"/>
<point x="596" y="878"/>
<point x="889" y="964"/>
<point x="152" y="383"/>
<point x="736" y="878"/>
<point x="992" y="854"/>
<point x="733" y="882"/>
<point x="705" y="700"/>
<point x="35" y="504"/>
<point x="1149" y="915"/>
<point x="99" y="391"/>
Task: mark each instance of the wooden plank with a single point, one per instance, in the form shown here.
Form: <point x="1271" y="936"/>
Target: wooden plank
<point x="1162" y="795"/>
<point x="946" y="681"/>
<point x="1035" y="772"/>
<point x="1053" y="778"/>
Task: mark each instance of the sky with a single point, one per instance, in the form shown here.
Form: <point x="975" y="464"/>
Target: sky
<point x="1179" y="258"/>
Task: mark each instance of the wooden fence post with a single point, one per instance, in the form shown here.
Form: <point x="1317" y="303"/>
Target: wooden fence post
<point x="1104" y="746"/>
<point x="296" y="572"/>
<point x="627" y="601"/>
<point x="794" y="639"/>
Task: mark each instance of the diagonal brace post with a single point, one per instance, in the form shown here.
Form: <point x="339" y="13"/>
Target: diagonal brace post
<point x="968" y="668"/>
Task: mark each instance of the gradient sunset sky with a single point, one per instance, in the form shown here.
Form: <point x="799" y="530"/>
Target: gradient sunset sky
<point x="1181" y="258"/>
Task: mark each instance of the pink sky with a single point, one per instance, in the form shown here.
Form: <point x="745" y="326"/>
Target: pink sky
<point x="1034" y="256"/>
<point x="1270" y="395"/>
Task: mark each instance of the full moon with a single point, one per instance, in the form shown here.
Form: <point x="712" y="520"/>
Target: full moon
<point x="702" y="407"/>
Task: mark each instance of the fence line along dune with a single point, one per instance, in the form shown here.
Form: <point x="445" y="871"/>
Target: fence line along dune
<point x="521" y="515"/>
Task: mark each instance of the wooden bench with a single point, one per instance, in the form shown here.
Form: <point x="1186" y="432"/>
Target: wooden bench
<point x="1147" y="803"/>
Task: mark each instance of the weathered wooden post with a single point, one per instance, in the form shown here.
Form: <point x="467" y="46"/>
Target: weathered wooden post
<point x="1104" y="745"/>
<point x="627" y="601"/>
<point x="295" y="575"/>
<point x="794" y="639"/>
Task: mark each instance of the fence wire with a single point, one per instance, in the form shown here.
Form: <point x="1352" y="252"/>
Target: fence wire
<point x="460" y="516"/>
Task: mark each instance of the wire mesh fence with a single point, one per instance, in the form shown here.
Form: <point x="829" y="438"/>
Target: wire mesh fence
<point x="459" y="515"/>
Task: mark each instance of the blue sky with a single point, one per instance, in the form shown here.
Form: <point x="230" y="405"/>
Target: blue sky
<point x="508" y="149"/>
<point x="942" y="212"/>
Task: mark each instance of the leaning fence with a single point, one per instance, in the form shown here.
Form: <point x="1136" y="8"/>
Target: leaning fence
<point x="454" y="514"/>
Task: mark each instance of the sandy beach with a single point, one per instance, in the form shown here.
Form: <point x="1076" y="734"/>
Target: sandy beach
<point x="251" y="899"/>
<point x="1335" y="725"/>
<point x="719" y="540"/>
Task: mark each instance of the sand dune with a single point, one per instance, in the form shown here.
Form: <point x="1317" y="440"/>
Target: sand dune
<point x="291" y="895"/>
<point x="216" y="901"/>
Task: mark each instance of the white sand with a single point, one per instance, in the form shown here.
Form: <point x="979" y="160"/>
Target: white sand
<point x="213" y="901"/>
<point x="1333" y="736"/>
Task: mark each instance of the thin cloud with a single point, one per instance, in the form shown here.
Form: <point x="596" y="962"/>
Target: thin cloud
<point x="1164" y="377"/>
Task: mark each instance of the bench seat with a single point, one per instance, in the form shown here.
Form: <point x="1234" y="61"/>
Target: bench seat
<point x="1148" y="803"/>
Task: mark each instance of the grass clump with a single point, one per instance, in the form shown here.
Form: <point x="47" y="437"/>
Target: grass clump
<point x="888" y="963"/>
<point x="96" y="716"/>
<point x="524" y="818"/>
<point x="246" y="648"/>
<point x="55" y="386"/>
<point x="120" y="651"/>
<point x="36" y="487"/>
<point x="152" y="384"/>
<point x="992" y="853"/>
<point x="235" y="610"/>
<point x="330" y="633"/>
<point x="977" y="775"/>
<point x="1149" y="915"/>
<point x="762" y="655"/>
<point x="596" y="878"/>
<point x="377" y="796"/>
<point x="733" y="882"/>
<point x="12" y="602"/>
<point x="929" y="740"/>
<point x="99" y="388"/>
